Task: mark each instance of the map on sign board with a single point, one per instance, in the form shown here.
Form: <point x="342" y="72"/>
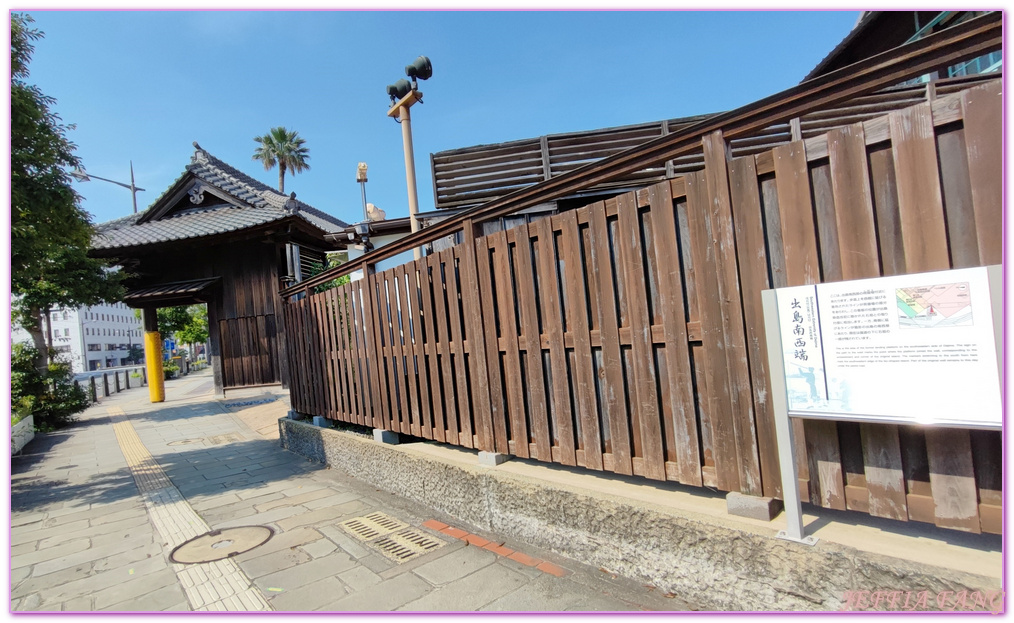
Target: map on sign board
<point x="926" y="307"/>
<point x="914" y="348"/>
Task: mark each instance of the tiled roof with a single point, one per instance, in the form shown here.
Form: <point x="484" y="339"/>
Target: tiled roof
<point x="263" y="204"/>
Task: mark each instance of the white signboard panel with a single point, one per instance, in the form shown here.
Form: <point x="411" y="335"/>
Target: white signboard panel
<point x="914" y="349"/>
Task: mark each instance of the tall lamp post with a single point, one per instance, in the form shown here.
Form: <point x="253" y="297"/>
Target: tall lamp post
<point x="403" y="95"/>
<point x="82" y="176"/>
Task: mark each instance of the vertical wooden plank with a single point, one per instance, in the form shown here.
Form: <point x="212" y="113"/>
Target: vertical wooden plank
<point x="983" y="115"/>
<point x="418" y="380"/>
<point x="419" y="352"/>
<point x="327" y="336"/>
<point x="827" y="226"/>
<point x="682" y="418"/>
<point x="716" y="173"/>
<point x="987" y="454"/>
<point x="882" y="474"/>
<point x="341" y="356"/>
<point x="348" y="353"/>
<point x="400" y="328"/>
<point x="644" y="382"/>
<point x="430" y="331"/>
<point x="952" y="479"/>
<point x="613" y="393"/>
<point x="453" y="275"/>
<point x="364" y="387"/>
<point x="389" y="327"/>
<point x="497" y="406"/>
<point x="372" y="361"/>
<point x="955" y="186"/>
<point x="697" y="352"/>
<point x="753" y="262"/>
<point x="924" y="234"/>
<point x="584" y="368"/>
<point x="923" y="228"/>
<point x="802" y="267"/>
<point x="553" y="325"/>
<point x="713" y="361"/>
<point x="509" y="334"/>
<point x="885" y="204"/>
<point x="525" y="283"/>
<point x="449" y="416"/>
<point x="475" y="312"/>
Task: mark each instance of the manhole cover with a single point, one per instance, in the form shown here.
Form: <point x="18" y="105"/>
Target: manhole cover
<point x="217" y="440"/>
<point x="183" y="442"/>
<point x="392" y="538"/>
<point x="219" y="544"/>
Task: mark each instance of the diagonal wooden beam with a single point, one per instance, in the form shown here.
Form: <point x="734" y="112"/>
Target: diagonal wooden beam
<point x="964" y="41"/>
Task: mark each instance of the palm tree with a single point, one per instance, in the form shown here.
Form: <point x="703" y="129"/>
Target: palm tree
<point x="282" y="148"/>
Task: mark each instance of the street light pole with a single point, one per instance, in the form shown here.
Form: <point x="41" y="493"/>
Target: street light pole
<point x="82" y="176"/>
<point x="400" y="112"/>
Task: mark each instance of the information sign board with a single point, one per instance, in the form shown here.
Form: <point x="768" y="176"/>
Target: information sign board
<point x="916" y="349"/>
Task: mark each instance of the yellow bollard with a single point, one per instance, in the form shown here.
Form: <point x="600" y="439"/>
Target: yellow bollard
<point x="153" y="360"/>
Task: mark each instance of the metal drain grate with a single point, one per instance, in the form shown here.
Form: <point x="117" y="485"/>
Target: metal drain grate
<point x="394" y="539"/>
<point x="372" y="526"/>
<point x="406" y="544"/>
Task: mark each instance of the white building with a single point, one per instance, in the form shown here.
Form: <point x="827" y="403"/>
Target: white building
<point x="94" y="338"/>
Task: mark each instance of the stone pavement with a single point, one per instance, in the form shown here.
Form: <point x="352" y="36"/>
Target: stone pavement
<point x="98" y="508"/>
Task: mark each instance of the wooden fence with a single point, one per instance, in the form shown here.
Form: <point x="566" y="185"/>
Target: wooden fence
<point x="626" y="336"/>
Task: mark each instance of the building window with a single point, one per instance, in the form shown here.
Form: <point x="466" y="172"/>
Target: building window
<point x="66" y="332"/>
<point x="94" y="347"/>
<point x="111" y="347"/>
<point x="66" y="316"/>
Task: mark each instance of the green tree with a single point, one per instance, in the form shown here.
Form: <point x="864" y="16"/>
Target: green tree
<point x="333" y="261"/>
<point x="195" y="331"/>
<point x="50" y="233"/>
<point x="284" y="149"/>
<point x="50" y="395"/>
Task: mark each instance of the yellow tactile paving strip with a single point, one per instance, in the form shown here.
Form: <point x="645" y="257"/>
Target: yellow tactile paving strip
<point x="216" y="586"/>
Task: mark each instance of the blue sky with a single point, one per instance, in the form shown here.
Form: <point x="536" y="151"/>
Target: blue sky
<point x="143" y="86"/>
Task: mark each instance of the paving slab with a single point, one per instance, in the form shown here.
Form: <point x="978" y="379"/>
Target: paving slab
<point x="98" y="507"/>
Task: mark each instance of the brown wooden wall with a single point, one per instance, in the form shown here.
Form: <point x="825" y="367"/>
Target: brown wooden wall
<point x="244" y="314"/>
<point x="627" y="336"/>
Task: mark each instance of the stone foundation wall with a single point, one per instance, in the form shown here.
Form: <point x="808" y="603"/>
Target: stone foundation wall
<point x="717" y="567"/>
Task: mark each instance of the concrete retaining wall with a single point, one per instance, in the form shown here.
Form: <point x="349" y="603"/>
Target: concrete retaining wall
<point x="703" y="561"/>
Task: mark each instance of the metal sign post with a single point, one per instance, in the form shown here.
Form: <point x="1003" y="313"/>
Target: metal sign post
<point x="783" y="427"/>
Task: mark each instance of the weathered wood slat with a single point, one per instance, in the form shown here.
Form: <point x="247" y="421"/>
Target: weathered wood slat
<point x="453" y="277"/>
<point x="506" y="303"/>
<point x="924" y="235"/>
<point x="853" y="198"/>
<point x="713" y="361"/>
<point x="403" y="350"/>
<point x="487" y="300"/>
<point x="681" y="417"/>
<point x="429" y="284"/>
<point x="442" y="275"/>
<point x="802" y="267"/>
<point x="753" y="263"/>
<point x="559" y="389"/>
<point x="526" y="293"/>
<point x="584" y="365"/>
<point x="474" y="311"/>
<point x="983" y="114"/>
<point x="365" y="374"/>
<point x="614" y="406"/>
<point x="419" y="350"/>
<point x="644" y="381"/>
<point x="738" y="366"/>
